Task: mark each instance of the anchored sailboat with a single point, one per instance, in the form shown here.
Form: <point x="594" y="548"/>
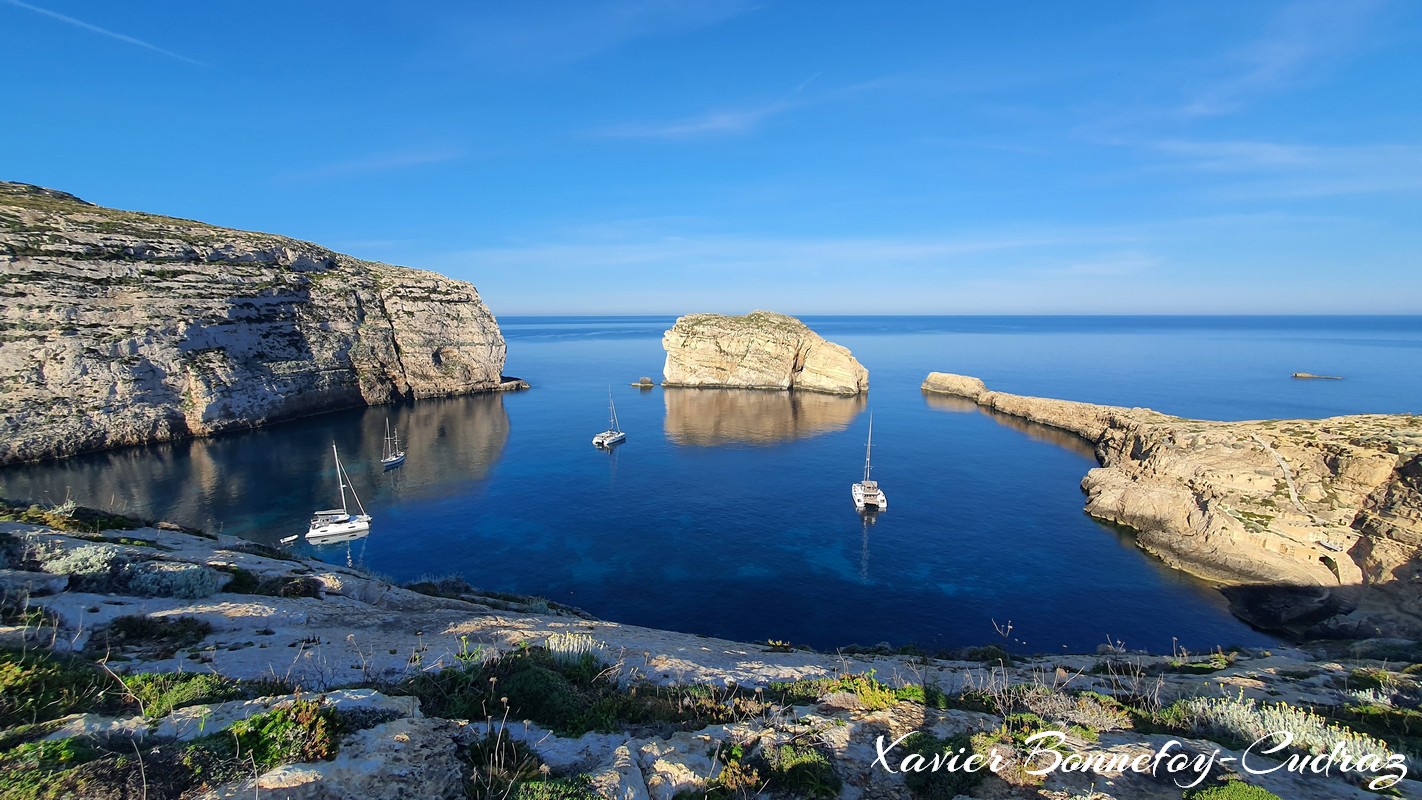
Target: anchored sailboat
<point x="867" y="494"/>
<point x="613" y="435"/>
<point x="392" y="456"/>
<point x="338" y="524"/>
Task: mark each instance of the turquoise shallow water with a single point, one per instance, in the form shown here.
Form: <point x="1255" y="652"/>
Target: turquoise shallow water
<point x="728" y="513"/>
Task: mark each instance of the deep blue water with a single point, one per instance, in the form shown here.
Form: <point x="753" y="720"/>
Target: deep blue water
<point x="728" y="513"/>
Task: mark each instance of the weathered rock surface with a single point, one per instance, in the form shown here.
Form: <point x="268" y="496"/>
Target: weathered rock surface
<point x="1331" y="508"/>
<point x="761" y="350"/>
<point x="120" y="328"/>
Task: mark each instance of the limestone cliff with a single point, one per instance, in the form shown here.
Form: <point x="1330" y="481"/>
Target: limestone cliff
<point x="1332" y="503"/>
<point x="761" y="350"/>
<point x="120" y="328"/>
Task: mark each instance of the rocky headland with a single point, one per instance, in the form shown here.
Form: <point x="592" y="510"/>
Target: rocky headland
<point x="1313" y="526"/>
<point x="121" y="328"/>
<point x="154" y="662"/>
<point x="760" y="350"/>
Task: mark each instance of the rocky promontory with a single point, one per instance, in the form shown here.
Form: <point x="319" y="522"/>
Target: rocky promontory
<point x="121" y="328"/>
<point x="1315" y="524"/>
<point x="760" y="350"/>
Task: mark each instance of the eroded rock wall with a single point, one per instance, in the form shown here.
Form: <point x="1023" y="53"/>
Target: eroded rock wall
<point x="120" y="328"/>
<point x="760" y="350"/>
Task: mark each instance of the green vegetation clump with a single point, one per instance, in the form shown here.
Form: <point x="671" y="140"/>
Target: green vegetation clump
<point x="872" y="694"/>
<point x="158" y="693"/>
<point x="938" y="784"/>
<point x="67" y="517"/>
<point x="36" y="686"/>
<point x="1230" y="790"/>
<point x="28" y="772"/>
<point x="303" y="730"/>
<point x="570" y="695"/>
<point x="800" y="771"/>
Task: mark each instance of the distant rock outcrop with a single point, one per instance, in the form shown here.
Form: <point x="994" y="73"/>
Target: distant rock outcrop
<point x="761" y="350"/>
<point x="120" y="328"/>
<point x="1321" y="520"/>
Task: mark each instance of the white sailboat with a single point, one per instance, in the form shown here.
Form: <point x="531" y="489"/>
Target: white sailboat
<point x="867" y="494"/>
<point x="338" y="524"/>
<point x="392" y="456"/>
<point x="613" y="435"/>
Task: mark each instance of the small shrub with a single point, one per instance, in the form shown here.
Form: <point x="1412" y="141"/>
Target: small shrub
<point x="302" y="730"/>
<point x="1371" y="678"/>
<point x="36" y="686"/>
<point x="942" y="784"/>
<point x="171" y="579"/>
<point x="1230" y="790"/>
<point x="91" y="567"/>
<point x="159" y="693"/>
<point x="27" y="770"/>
<point x="990" y="654"/>
<point x="801" y="772"/>
<point x="165" y="632"/>
<point x="578" y="787"/>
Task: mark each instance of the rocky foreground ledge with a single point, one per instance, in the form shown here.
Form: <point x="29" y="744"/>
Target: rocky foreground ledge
<point x="1316" y="525"/>
<point x="121" y="328"/>
<point x="760" y="350"/>
<point x="161" y="663"/>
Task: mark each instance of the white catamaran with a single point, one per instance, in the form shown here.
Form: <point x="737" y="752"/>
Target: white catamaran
<point x="867" y="494"/>
<point x="338" y="524"/>
<point x="393" y="456"/>
<point x="613" y="435"/>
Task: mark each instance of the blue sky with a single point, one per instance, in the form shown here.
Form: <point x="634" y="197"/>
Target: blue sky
<point x="668" y="156"/>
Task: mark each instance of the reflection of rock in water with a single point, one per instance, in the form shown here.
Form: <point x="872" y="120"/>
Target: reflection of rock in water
<point x="265" y="483"/>
<point x="709" y="417"/>
<point x="1042" y="433"/>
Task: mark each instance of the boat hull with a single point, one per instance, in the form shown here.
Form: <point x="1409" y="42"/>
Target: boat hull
<point x="872" y="499"/>
<point x="351" y="528"/>
<point x="393" y="461"/>
<point x="609" y="438"/>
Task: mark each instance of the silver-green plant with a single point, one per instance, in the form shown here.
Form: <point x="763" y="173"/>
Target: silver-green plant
<point x="570" y="648"/>
<point x="1248" y="720"/>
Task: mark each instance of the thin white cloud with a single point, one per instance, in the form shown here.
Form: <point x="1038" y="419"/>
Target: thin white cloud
<point x="1289" y="170"/>
<point x="79" y="23"/>
<point x="727" y="122"/>
<point x="1300" y="37"/>
<point x="375" y="163"/>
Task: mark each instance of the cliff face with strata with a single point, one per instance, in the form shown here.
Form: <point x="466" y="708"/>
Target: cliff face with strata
<point x="1331" y="506"/>
<point x="761" y="350"/>
<point x="120" y="328"/>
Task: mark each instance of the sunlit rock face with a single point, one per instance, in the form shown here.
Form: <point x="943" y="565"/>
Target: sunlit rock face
<point x="1333" y="505"/>
<point x="121" y="328"/>
<point x="761" y="350"/>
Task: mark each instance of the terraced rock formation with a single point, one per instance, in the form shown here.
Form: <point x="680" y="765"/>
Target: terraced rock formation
<point x="120" y="328"/>
<point x="760" y="350"/>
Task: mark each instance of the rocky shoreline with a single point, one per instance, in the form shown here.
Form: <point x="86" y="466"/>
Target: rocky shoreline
<point x="120" y="328"/>
<point x="386" y="666"/>
<point x="1315" y="525"/>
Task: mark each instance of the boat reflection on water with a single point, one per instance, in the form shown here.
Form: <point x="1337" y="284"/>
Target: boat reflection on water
<point x="262" y="484"/>
<point x="712" y="417"/>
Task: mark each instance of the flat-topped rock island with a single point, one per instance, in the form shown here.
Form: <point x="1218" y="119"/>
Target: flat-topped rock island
<point x="760" y="350"/>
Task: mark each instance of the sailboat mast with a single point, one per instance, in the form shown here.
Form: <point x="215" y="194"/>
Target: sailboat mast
<point x="867" y="446"/>
<point x="611" y="410"/>
<point x="340" y="475"/>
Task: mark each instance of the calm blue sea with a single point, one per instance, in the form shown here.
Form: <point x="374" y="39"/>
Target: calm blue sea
<point x="728" y="513"/>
